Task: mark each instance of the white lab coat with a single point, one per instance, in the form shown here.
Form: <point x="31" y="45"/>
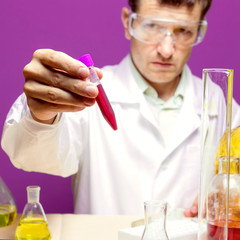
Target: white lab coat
<point x="115" y="171"/>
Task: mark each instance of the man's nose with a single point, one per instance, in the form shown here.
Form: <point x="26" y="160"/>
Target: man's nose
<point x="167" y="46"/>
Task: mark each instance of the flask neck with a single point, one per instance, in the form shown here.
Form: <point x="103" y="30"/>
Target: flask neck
<point x="33" y="193"/>
<point x="155" y="211"/>
<point x="233" y="165"/>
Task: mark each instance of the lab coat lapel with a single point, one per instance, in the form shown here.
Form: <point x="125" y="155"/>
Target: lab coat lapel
<point x="146" y="113"/>
<point x="122" y="88"/>
<point x="190" y="116"/>
<point x="128" y="92"/>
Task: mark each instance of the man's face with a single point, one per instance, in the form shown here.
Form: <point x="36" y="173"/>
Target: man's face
<point x="161" y="62"/>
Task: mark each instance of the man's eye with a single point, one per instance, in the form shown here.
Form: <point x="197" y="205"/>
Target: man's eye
<point x="150" y="26"/>
<point x="183" y="31"/>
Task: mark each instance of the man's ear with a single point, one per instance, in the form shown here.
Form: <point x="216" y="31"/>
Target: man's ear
<point x="125" y="21"/>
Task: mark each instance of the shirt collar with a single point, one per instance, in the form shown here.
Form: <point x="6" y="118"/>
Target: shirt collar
<point x="151" y="94"/>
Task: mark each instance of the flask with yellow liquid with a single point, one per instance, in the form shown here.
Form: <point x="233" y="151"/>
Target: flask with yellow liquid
<point x="8" y="209"/>
<point x="223" y="144"/>
<point x="33" y="222"/>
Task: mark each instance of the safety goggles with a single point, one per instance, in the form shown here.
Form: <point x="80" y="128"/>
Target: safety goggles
<point x="153" y="30"/>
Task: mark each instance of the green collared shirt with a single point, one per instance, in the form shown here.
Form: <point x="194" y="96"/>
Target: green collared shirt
<point x="165" y="113"/>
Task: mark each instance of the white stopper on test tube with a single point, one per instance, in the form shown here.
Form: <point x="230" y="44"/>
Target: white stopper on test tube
<point x="33" y="194"/>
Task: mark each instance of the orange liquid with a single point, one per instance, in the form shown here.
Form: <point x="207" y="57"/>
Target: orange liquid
<point x="216" y="231"/>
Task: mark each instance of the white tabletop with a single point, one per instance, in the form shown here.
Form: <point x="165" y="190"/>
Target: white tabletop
<point x="74" y="226"/>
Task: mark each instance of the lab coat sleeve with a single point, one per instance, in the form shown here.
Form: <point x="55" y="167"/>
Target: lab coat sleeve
<point x="33" y="146"/>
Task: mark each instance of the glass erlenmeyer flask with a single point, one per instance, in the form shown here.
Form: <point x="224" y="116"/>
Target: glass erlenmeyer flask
<point x="33" y="222"/>
<point x="8" y="209"/>
<point x="155" y="220"/>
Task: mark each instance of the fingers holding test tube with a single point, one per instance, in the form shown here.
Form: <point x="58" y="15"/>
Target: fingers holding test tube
<point x="56" y="82"/>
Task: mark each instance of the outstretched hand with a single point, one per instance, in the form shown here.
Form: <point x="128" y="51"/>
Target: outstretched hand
<point x="56" y="82"/>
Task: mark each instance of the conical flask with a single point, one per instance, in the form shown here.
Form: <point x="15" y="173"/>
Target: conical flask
<point x="155" y="220"/>
<point x="8" y="209"/>
<point x="33" y="222"/>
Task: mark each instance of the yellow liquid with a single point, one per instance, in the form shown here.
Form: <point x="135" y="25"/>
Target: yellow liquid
<point x="7" y="214"/>
<point x="32" y="229"/>
<point x="222" y="146"/>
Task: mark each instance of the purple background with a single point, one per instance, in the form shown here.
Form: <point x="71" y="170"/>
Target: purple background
<point x="78" y="27"/>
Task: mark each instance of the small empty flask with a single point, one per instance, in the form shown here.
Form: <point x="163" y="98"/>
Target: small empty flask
<point x="8" y="209"/>
<point x="33" y="222"/>
<point x="155" y="220"/>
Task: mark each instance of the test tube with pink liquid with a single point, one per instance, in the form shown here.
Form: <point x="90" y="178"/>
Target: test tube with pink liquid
<point x="101" y="99"/>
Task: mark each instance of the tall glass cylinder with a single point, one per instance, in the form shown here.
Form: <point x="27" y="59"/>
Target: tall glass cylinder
<point x="219" y="200"/>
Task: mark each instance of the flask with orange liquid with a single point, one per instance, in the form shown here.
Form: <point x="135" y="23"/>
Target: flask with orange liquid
<point x="223" y="202"/>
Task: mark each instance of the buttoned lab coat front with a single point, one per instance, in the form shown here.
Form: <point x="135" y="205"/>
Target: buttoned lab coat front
<point x="115" y="171"/>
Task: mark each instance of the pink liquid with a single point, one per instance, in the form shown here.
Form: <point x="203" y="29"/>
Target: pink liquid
<point x="106" y="107"/>
<point x="216" y="231"/>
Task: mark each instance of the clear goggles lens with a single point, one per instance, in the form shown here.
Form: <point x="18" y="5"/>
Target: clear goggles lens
<point x="153" y="30"/>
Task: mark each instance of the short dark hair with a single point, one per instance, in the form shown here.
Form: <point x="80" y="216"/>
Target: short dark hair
<point x="206" y="4"/>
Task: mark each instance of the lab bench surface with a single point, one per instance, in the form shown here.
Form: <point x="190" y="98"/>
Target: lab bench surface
<point x="75" y="226"/>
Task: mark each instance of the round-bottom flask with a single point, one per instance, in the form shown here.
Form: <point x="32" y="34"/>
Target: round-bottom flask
<point x="155" y="220"/>
<point x="8" y="209"/>
<point x="223" y="215"/>
<point x="33" y="222"/>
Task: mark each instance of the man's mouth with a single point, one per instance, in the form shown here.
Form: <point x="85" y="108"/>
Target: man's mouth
<point x="162" y="64"/>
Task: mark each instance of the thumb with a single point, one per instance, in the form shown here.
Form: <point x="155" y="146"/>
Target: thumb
<point x="193" y="210"/>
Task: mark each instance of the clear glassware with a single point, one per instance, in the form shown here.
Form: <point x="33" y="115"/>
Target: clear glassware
<point x="219" y="200"/>
<point x="8" y="208"/>
<point x="218" y="223"/>
<point x="33" y="222"/>
<point x="155" y="220"/>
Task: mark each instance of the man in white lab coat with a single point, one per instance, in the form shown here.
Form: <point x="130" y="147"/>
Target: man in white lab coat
<point x="155" y="153"/>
